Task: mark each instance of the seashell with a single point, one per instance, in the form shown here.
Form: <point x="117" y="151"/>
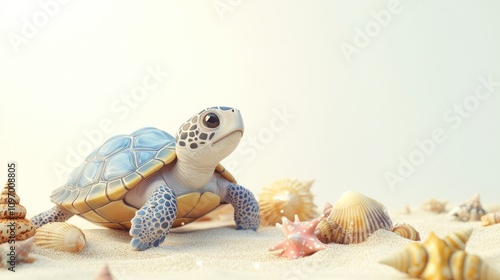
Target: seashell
<point x="286" y="198"/>
<point x="353" y="219"/>
<point x="457" y="240"/>
<point x="20" y="253"/>
<point x="327" y="209"/>
<point x="13" y="224"/>
<point x="60" y="236"/>
<point x="104" y="274"/>
<point x="434" y="259"/>
<point x="490" y="219"/>
<point x="406" y="231"/>
<point x="471" y="210"/>
<point x="434" y="205"/>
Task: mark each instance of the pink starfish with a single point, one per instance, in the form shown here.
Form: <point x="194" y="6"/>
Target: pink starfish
<point x="300" y="238"/>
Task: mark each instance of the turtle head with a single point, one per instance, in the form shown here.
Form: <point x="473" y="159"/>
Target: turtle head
<point x="209" y="136"/>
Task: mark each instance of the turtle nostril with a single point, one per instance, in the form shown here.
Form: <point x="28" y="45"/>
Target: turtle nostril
<point x="232" y="110"/>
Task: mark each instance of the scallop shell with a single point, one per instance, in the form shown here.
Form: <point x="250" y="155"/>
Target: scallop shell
<point x="60" y="236"/>
<point x="434" y="259"/>
<point x="407" y="231"/>
<point x="353" y="219"/>
<point x="471" y="210"/>
<point x="21" y="252"/>
<point x="13" y="213"/>
<point x="490" y="219"/>
<point x="434" y="205"/>
<point x="286" y="198"/>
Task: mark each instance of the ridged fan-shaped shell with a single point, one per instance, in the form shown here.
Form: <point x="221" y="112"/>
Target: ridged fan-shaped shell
<point x="407" y="231"/>
<point x="353" y="219"/>
<point x="286" y="198"/>
<point x="60" y="236"/>
<point x="490" y="219"/>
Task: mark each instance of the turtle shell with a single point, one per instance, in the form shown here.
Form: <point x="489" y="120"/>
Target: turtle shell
<point x="95" y="190"/>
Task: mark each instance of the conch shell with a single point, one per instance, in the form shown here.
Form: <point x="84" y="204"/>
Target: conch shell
<point x="407" y="231"/>
<point x="286" y="198"/>
<point x="20" y="253"/>
<point x="60" y="236"/>
<point x="490" y="219"/>
<point x="471" y="210"/>
<point x="13" y="224"/>
<point x="434" y="205"/>
<point x="353" y="219"/>
<point x="435" y="259"/>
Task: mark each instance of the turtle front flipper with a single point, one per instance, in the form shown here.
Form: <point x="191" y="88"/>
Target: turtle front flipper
<point x="152" y="223"/>
<point x="246" y="208"/>
<point x="54" y="214"/>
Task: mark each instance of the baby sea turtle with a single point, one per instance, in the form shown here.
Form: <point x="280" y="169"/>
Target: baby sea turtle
<point x="149" y="181"/>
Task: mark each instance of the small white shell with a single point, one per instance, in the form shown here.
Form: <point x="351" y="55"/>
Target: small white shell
<point x="60" y="236"/>
<point x="286" y="198"/>
<point x="471" y="210"/>
<point x="21" y="250"/>
<point x="434" y="205"/>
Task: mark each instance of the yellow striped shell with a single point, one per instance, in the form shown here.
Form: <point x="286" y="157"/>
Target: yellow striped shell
<point x="407" y="231"/>
<point x="286" y="198"/>
<point x="60" y="236"/>
<point x="435" y="259"/>
<point x="458" y="240"/>
<point x="490" y="219"/>
<point x="353" y="219"/>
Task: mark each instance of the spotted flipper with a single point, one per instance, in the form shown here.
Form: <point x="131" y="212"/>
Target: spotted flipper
<point x="54" y="214"/>
<point x="153" y="222"/>
<point x="246" y="208"/>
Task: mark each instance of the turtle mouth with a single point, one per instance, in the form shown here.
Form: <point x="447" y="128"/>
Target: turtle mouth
<point x="238" y="132"/>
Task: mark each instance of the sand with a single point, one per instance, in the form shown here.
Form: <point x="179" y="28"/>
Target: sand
<point x="215" y="250"/>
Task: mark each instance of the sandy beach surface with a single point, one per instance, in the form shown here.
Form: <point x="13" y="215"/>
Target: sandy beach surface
<point x="215" y="250"/>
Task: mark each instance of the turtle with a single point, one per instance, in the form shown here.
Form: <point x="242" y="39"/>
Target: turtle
<point x="149" y="182"/>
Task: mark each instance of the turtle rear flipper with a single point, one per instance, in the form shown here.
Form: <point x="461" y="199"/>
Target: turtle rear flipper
<point x="153" y="222"/>
<point x="54" y="214"/>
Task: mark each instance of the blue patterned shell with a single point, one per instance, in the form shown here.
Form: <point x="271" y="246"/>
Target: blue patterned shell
<point x="114" y="168"/>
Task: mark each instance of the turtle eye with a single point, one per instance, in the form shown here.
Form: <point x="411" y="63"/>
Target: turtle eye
<point x="211" y="120"/>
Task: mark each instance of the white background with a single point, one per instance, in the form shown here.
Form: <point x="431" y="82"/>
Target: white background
<point x="351" y="117"/>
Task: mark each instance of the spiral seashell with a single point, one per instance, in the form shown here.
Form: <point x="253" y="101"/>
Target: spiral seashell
<point x="434" y="205"/>
<point x="20" y="251"/>
<point x="407" y="231"/>
<point x="13" y="224"/>
<point x="60" y="236"/>
<point x="286" y="198"/>
<point x="353" y="219"/>
<point x="457" y="240"/>
<point x="490" y="219"/>
<point x="434" y="259"/>
<point x="471" y="210"/>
